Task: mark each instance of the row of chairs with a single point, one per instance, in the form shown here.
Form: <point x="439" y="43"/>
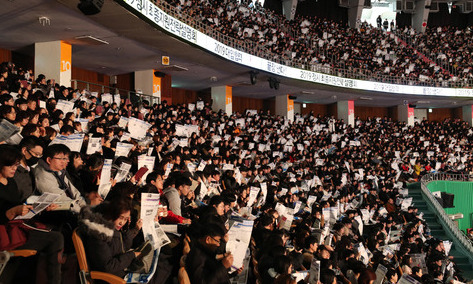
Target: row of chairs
<point x="87" y="276"/>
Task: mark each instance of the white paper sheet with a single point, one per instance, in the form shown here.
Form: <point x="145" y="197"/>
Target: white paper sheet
<point x="105" y="184"/>
<point x="239" y="237"/>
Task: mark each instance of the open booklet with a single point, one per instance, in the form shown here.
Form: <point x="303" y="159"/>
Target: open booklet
<point x="7" y="130"/>
<point x="39" y="203"/>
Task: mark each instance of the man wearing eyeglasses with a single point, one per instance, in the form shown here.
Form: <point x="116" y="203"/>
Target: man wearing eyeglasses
<point x="202" y="264"/>
<point x="51" y="176"/>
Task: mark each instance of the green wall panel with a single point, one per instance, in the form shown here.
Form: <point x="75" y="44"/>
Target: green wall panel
<point x="463" y="200"/>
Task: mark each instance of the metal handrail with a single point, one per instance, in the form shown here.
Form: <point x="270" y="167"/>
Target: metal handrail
<point x="79" y="84"/>
<point x="261" y="51"/>
<point x="459" y="238"/>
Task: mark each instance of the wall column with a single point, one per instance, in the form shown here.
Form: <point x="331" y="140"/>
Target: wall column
<point x="421" y="15"/>
<point x="354" y="13"/>
<point x="222" y="99"/>
<point x="468" y="114"/>
<point x="405" y="113"/>
<point x="289" y="9"/>
<point x="148" y="84"/>
<point x="53" y="59"/>
<point x="285" y="107"/>
<point x="346" y="111"/>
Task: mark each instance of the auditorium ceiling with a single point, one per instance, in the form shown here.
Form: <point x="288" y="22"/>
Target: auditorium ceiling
<point x="133" y="44"/>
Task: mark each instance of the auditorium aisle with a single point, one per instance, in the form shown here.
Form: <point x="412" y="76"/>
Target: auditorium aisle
<point x="437" y="230"/>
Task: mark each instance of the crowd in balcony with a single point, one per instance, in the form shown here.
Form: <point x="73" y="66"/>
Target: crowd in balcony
<point x="368" y="52"/>
<point x="243" y="197"/>
<point x="449" y="47"/>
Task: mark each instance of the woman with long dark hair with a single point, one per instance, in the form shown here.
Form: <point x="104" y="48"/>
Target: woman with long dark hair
<point x="11" y="206"/>
<point x="107" y="239"/>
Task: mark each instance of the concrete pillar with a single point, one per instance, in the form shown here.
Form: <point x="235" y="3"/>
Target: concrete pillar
<point x="468" y="114"/>
<point x="53" y="59"/>
<point x="405" y="113"/>
<point x="285" y="107"/>
<point x="148" y="84"/>
<point x="289" y="9"/>
<point x="222" y="99"/>
<point x="354" y="13"/>
<point x="346" y="111"/>
<point x="421" y="15"/>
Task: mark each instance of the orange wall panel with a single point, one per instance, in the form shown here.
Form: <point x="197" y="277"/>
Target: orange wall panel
<point x="5" y="55"/>
<point x="439" y="114"/>
<point x="166" y="89"/>
<point x="182" y="96"/>
<point x="126" y="81"/>
<point x="95" y="79"/>
<point x="240" y="104"/>
<point x="364" y="112"/>
<point x="317" y="109"/>
<point x="332" y="110"/>
<point x="457" y="113"/>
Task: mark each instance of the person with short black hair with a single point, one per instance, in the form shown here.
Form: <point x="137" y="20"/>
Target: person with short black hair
<point x="201" y="263"/>
<point x="176" y="192"/>
<point x="327" y="276"/>
<point x="310" y="248"/>
<point x="51" y="176"/>
<point x="7" y="99"/>
<point x="66" y="130"/>
<point x="31" y="148"/>
<point x="31" y="129"/>
<point x="8" y="112"/>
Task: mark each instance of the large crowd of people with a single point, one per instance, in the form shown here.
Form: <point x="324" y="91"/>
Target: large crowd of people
<point x="449" y="46"/>
<point x="315" y="193"/>
<point x="367" y="52"/>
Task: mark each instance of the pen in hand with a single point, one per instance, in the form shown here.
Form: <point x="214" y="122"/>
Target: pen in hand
<point x="29" y="209"/>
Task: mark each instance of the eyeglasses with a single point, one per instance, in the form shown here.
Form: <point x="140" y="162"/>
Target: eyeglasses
<point x="62" y="159"/>
<point x="34" y="154"/>
<point x="218" y="241"/>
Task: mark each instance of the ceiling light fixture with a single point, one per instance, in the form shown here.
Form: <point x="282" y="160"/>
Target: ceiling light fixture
<point x="44" y="21"/>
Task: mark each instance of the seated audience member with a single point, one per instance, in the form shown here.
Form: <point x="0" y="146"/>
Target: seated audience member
<point x="154" y="182"/>
<point x="31" y="148"/>
<point x="106" y="236"/>
<point x="201" y="263"/>
<point x="89" y="175"/>
<point x="12" y="206"/>
<point x="316" y="188"/>
<point x="175" y="193"/>
<point x="50" y="176"/>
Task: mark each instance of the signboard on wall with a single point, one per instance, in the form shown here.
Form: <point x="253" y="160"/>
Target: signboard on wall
<point x="147" y="10"/>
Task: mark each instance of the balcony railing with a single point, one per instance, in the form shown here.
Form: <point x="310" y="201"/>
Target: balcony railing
<point x="133" y="96"/>
<point x="261" y="51"/>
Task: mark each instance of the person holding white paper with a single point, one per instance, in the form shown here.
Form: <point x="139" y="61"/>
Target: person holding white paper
<point x="201" y="263"/>
<point x="107" y="244"/>
<point x="50" y="176"/>
<point x="12" y="206"/>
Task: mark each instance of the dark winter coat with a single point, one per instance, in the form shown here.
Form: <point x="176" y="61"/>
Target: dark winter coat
<point x="107" y="249"/>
